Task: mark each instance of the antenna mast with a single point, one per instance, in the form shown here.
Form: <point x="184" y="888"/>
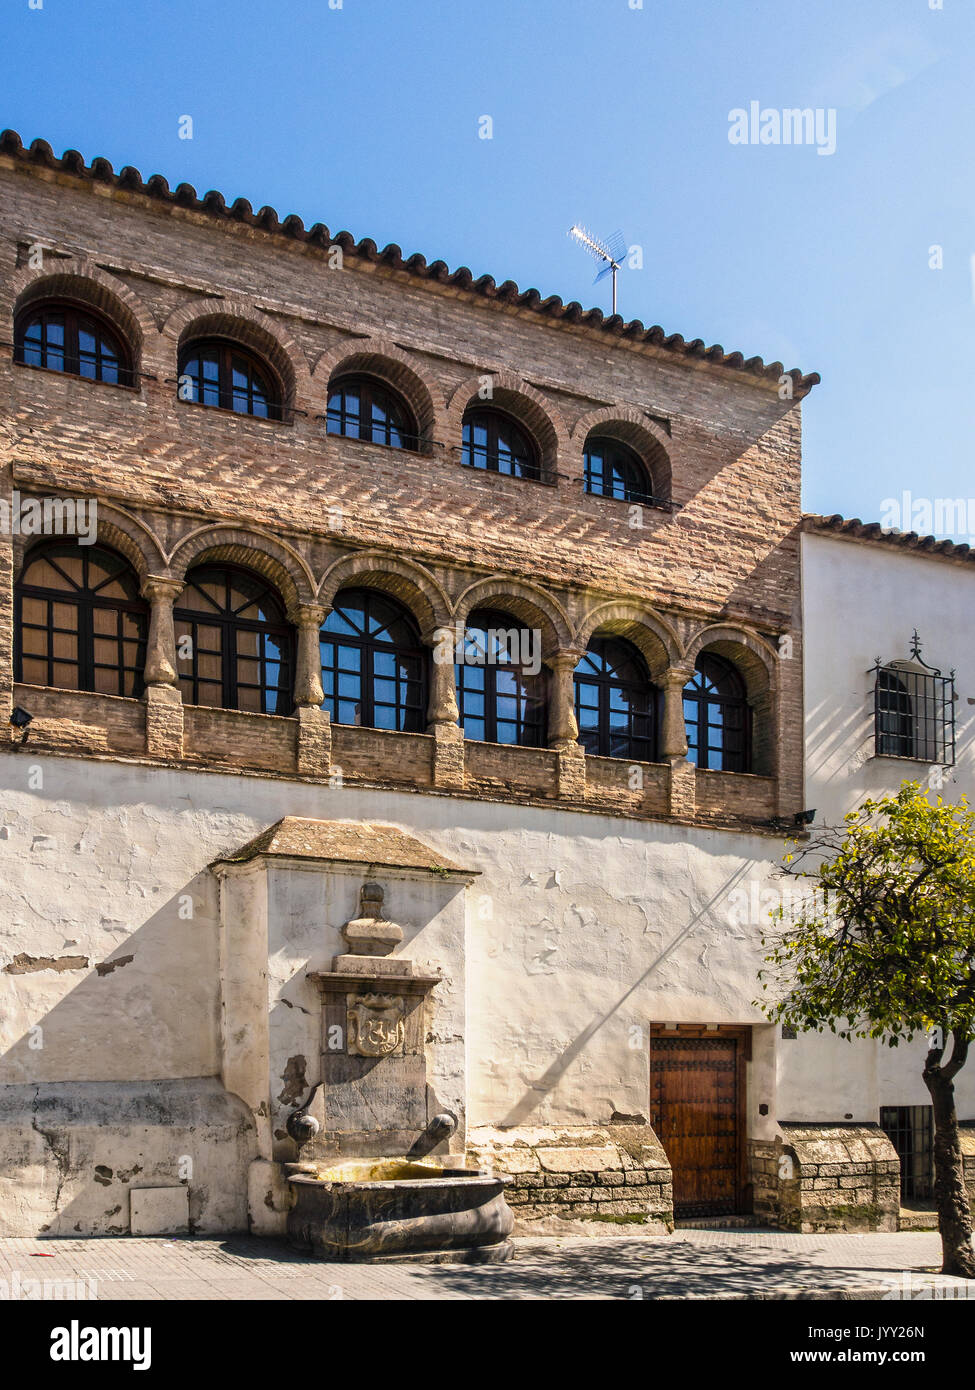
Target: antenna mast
<point x="610" y="253"/>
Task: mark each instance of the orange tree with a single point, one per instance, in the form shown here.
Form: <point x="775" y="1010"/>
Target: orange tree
<point x="883" y="946"/>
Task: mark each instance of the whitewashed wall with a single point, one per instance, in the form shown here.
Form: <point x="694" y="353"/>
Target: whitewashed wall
<point x="862" y="601"/>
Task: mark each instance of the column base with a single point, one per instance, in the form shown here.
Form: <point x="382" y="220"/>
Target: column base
<point x="314" y="755"/>
<point x="571" y="772"/>
<point x="164" y="721"/>
<point x="683" y="787"/>
<point x="448" y="756"/>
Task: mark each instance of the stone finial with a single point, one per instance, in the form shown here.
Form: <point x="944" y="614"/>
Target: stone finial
<point x="370" y="934"/>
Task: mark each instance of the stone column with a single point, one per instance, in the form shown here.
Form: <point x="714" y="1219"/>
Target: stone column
<point x="563" y="729"/>
<point x="442" y="712"/>
<point x="682" y="800"/>
<point x="314" y="752"/>
<point x="673" y="731"/>
<point x="163" y="701"/>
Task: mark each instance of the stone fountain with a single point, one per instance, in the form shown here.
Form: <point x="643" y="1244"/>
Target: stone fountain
<point x="368" y="1184"/>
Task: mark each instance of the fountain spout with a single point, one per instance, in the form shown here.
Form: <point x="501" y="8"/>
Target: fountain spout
<point x="441" y="1127"/>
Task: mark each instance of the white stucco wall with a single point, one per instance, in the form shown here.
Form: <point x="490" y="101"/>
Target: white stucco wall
<point x="581" y="931"/>
<point x="862" y="601"/>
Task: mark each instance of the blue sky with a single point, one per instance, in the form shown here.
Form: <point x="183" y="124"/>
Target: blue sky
<point x="366" y="118"/>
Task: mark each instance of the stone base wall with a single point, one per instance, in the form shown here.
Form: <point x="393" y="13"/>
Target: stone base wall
<point x="816" y="1177"/>
<point x="607" y="1173"/>
<point x="967" y="1135"/>
<point x="74" y="1155"/>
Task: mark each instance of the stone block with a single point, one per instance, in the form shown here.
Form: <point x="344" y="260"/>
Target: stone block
<point x="159" y="1211"/>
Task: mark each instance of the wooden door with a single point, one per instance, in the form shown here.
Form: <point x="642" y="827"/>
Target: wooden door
<point x="697" y="1107"/>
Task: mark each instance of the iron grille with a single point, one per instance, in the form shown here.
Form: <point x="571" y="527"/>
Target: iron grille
<point x="914" y="710"/>
<point x="910" y="1129"/>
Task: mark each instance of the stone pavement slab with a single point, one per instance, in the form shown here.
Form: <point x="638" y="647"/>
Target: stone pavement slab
<point x="687" y="1265"/>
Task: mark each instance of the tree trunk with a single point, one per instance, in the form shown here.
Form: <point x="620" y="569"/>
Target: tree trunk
<point x="950" y="1194"/>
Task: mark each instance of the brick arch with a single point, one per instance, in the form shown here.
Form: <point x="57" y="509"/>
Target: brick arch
<point x="410" y="583"/>
<point x="381" y="358"/>
<point x="83" y="281"/>
<point x="542" y="419"/>
<point x="254" y="550"/>
<point x="237" y="320"/>
<point x="649" y="633"/>
<point x="755" y="660"/>
<point x="116" y="530"/>
<point x="630" y="426"/>
<point x="531" y="605"/>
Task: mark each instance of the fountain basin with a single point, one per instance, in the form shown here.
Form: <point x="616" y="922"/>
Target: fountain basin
<point x="395" y="1210"/>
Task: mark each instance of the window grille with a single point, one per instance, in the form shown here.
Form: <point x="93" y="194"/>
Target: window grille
<point x="911" y="1131"/>
<point x="914" y="710"/>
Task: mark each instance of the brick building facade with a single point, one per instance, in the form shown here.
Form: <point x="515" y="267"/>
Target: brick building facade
<point x="595" y="917"/>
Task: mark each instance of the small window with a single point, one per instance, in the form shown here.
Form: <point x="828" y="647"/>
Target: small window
<point x="222" y="374"/>
<point x="717" y="716"/>
<point x="373" y="663"/>
<point x="914" y="710"/>
<point x="493" y="441"/>
<point x="73" y="339"/>
<point x="360" y="407"/>
<point x="500" y="701"/>
<point x="615" y="470"/>
<point x="80" y="623"/>
<point x="615" y="701"/>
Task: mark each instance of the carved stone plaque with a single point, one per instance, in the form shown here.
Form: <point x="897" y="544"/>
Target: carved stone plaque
<point x="375" y="1025"/>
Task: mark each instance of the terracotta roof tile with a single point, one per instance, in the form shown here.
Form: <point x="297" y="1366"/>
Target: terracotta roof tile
<point x="856" y="529"/>
<point x="214" y="204"/>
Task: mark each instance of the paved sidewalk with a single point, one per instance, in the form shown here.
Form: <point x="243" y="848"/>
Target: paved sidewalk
<point x="689" y="1264"/>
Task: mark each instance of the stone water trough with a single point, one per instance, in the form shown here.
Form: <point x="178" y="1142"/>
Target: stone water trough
<point x="352" y="1201"/>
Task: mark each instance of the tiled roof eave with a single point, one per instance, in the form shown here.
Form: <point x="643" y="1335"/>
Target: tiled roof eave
<point x="214" y="205"/>
<point x="852" y="528"/>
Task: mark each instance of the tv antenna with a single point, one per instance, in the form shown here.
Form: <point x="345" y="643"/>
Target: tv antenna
<point x="610" y="252"/>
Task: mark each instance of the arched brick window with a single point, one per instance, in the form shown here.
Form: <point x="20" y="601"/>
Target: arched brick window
<point x="79" y="621"/>
<point x="362" y="407"/>
<point x="374" y="666"/>
<point x="494" y="441"/>
<point x="234" y="645"/>
<point x="616" y="701"/>
<point x="73" y="338"/>
<point x="613" y="469"/>
<point x="717" y="716"/>
<point x="219" y="372"/>
<point x="500" y="684"/>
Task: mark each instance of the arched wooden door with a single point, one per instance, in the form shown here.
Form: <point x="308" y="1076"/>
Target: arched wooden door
<point x="697" y="1108"/>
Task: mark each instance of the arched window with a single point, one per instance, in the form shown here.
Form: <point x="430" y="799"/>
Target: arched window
<point x="79" y="622"/>
<point x="717" y="716"/>
<point x="239" y="649"/>
<point x="373" y="663"/>
<point x="66" y="337"/>
<point x="615" y="702"/>
<point x="492" y="440"/>
<point x="614" y="469"/>
<point x="360" y="407"/>
<point x="500" y="684"/>
<point x="218" y="372"/>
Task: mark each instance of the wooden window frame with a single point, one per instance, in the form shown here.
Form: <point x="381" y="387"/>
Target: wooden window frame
<point x="634" y="463"/>
<point x="86" y="603"/>
<point x="74" y="313"/>
<point x="737" y="702"/>
<point x="537" y="727"/>
<point x="637" y="751"/>
<point x="227" y="349"/>
<point x="229" y="626"/>
<point x="495" y="419"/>
<point x="369" y="648"/>
<point x="372" y="390"/>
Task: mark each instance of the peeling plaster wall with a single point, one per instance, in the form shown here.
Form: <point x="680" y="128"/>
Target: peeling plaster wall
<point x="578" y="933"/>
